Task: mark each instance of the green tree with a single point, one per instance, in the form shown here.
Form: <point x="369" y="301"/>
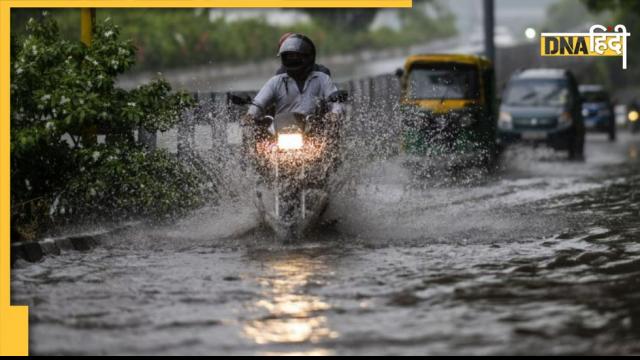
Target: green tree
<point x="632" y="6"/>
<point x="626" y="12"/>
<point x="344" y="19"/>
<point x="180" y="38"/>
<point x="61" y="87"/>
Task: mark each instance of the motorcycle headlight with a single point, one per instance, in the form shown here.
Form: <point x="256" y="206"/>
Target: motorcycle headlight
<point x="565" y="119"/>
<point x="290" y="141"/>
<point x="505" y="121"/>
<point x="633" y="116"/>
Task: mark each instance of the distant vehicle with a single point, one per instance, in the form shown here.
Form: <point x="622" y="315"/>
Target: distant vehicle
<point x="597" y="110"/>
<point x="448" y="110"/>
<point x="543" y="106"/>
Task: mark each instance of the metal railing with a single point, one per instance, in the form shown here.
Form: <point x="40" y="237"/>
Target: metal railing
<point x="370" y="114"/>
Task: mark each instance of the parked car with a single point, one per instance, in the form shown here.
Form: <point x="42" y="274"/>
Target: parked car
<point x="543" y="106"/>
<point x="597" y="110"/>
<point x="449" y="112"/>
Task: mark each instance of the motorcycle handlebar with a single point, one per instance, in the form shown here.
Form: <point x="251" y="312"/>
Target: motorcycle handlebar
<point x="339" y="96"/>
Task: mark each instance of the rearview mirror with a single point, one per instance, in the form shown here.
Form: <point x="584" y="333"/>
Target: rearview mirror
<point x="399" y="73"/>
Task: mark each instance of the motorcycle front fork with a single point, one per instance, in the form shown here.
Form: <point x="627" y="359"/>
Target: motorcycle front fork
<point x="280" y="186"/>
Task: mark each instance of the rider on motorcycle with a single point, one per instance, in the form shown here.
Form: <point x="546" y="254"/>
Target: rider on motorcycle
<point x="307" y="97"/>
<point x="300" y="89"/>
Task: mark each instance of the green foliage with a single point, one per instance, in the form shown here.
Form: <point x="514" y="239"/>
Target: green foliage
<point x="60" y="91"/>
<point x="183" y="37"/>
<point x="344" y="19"/>
<point x="626" y="12"/>
<point x="632" y="6"/>
<point x="131" y="180"/>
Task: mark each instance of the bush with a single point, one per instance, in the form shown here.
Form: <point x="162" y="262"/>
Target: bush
<point x="62" y="93"/>
<point x="130" y="181"/>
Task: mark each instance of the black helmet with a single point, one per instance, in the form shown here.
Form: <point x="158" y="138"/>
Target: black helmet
<point x="297" y="53"/>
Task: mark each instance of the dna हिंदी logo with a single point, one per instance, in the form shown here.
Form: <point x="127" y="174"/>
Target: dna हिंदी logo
<point x="599" y="41"/>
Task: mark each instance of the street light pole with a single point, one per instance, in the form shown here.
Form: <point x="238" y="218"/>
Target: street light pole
<point x="87" y="24"/>
<point x="489" y="24"/>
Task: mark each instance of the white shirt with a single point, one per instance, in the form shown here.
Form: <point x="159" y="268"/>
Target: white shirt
<point x="283" y="91"/>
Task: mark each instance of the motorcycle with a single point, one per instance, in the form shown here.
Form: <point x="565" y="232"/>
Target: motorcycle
<point x="294" y="155"/>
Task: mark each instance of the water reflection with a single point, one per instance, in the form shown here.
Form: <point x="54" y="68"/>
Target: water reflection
<point x="293" y="316"/>
<point x="633" y="152"/>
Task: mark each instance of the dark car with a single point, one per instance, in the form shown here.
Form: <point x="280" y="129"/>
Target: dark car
<point x="543" y="106"/>
<point x="597" y="110"/>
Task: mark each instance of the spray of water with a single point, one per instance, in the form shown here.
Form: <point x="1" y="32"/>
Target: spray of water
<point x="377" y="190"/>
<point x="370" y="158"/>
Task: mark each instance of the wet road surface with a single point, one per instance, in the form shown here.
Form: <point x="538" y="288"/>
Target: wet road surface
<point x="542" y="257"/>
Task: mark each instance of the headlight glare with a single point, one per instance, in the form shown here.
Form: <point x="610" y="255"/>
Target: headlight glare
<point x="505" y="121"/>
<point x="290" y="141"/>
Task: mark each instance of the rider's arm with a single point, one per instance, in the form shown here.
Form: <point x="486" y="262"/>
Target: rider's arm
<point x="265" y="97"/>
<point x="328" y="88"/>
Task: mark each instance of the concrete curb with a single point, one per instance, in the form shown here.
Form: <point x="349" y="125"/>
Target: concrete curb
<point x="34" y="251"/>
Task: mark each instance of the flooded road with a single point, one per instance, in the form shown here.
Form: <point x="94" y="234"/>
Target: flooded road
<point x="542" y="257"/>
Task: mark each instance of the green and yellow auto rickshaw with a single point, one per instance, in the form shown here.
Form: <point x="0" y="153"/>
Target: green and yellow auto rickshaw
<point x="448" y="109"/>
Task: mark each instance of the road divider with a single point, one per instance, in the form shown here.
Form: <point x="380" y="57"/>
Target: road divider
<point x="34" y="251"/>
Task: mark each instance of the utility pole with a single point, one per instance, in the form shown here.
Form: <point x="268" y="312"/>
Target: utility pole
<point x="87" y="25"/>
<point x="489" y="24"/>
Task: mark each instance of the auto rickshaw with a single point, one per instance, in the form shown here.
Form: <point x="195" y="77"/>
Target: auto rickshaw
<point x="448" y="109"/>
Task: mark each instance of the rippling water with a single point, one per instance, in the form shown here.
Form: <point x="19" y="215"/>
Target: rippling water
<point x="541" y="258"/>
